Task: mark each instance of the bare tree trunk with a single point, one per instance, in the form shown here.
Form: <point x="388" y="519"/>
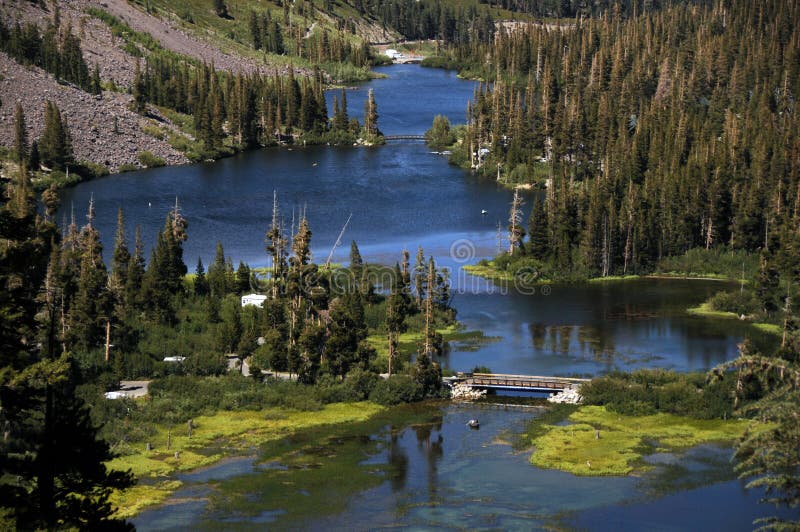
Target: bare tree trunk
<point x="108" y="340"/>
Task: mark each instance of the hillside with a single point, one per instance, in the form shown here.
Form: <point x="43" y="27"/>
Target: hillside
<point x="104" y="130"/>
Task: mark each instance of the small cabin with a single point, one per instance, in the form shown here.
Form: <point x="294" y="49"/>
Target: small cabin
<point x="253" y="299"/>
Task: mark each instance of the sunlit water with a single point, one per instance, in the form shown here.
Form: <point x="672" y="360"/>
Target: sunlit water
<point x="436" y="473"/>
<point x="403" y="196"/>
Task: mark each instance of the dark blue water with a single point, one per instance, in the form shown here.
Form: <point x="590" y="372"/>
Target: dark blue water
<point x="409" y="98"/>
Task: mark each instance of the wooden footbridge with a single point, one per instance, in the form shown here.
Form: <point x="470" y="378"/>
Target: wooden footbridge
<point x="529" y="383"/>
<point x="404" y="137"/>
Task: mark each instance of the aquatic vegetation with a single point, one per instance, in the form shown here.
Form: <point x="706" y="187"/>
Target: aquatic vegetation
<point x="599" y="442"/>
<point x="705" y="310"/>
<point x="296" y="472"/>
<point x="214" y="437"/>
<point x="139" y="497"/>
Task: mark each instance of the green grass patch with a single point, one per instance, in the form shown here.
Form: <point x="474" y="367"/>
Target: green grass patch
<point x="487" y="270"/>
<point x="132" y="501"/>
<point x="705" y="310"/>
<point x="623" y="440"/>
<point x="213" y="438"/>
<point x="409" y="341"/>
<point x="770" y="328"/>
<point x="614" y="278"/>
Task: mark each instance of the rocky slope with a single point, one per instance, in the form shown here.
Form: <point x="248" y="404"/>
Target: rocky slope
<point x="92" y="119"/>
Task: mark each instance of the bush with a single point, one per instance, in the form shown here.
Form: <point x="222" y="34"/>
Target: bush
<point x="440" y="135"/>
<point x="647" y="392"/>
<point x="149" y="160"/>
<point x="360" y="383"/>
<point x="395" y="390"/>
<point x="715" y="262"/>
<point x="738" y="302"/>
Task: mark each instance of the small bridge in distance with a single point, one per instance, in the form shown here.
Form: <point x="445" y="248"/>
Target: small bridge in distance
<point x="403" y="137"/>
<point x="524" y="383"/>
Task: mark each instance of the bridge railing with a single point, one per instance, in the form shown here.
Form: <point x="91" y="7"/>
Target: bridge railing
<point x="505" y="376"/>
<point x="533" y="382"/>
<point x="404" y="137"/>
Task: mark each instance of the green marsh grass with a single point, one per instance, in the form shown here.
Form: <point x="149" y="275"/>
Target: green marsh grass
<point x="623" y="440"/>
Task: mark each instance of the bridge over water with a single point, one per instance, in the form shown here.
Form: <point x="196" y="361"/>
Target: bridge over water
<point x="529" y="383"/>
<point x="403" y="137"/>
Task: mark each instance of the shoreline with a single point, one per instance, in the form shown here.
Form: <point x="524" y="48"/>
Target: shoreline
<point x="215" y="438"/>
<point x="488" y="271"/>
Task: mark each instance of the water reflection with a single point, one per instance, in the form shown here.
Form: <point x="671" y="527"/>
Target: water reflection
<point x="430" y="444"/>
<point x="426" y="469"/>
<point x="398" y="461"/>
<point x="590" y="329"/>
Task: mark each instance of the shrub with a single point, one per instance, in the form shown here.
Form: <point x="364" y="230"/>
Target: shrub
<point x="738" y="302"/>
<point x="395" y="390"/>
<point x="149" y="160"/>
<point x="154" y="131"/>
<point x="360" y="383"/>
<point x="646" y="392"/>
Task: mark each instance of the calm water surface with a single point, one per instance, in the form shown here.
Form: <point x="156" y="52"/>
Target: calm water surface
<point x="433" y="472"/>
<point x="403" y="196"/>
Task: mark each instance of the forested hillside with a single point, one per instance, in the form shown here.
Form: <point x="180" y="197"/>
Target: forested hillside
<point x="651" y="134"/>
<point x="125" y="75"/>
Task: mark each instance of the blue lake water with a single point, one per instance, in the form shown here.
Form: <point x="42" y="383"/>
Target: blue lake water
<point x="403" y="196"/>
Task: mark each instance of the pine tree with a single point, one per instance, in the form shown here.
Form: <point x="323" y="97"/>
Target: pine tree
<point x="538" y="242"/>
<point x="243" y="278"/>
<point x="347" y="329"/>
<point x="91" y="307"/>
<point x="301" y="244"/>
<point x="52" y="475"/>
<point x="120" y="261"/>
<point x="200" y="281"/>
<point x="221" y="9"/>
<point x="217" y="278"/>
<point x="34" y="159"/>
<point x="371" y="116"/>
<point x="276" y="247"/>
<point x="397" y="308"/>
<point x="516" y="232"/>
<point x="136" y="271"/>
<point x="20" y="135"/>
<point x="55" y="146"/>
<point x="139" y="91"/>
<point x="96" y="86"/>
<point x="255" y="30"/>
<point x="356" y="266"/>
<point x="420" y="277"/>
<point x="166" y="270"/>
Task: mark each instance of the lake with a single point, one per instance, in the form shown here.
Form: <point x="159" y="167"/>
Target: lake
<point x="426" y="470"/>
<point x="403" y="196"/>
